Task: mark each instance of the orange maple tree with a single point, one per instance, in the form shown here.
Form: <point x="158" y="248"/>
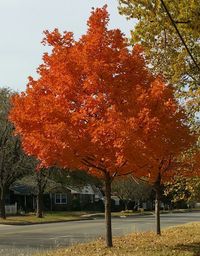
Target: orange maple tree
<point x="94" y="105"/>
<point x="161" y="157"/>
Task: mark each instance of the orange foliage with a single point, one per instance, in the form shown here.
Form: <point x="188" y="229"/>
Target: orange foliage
<point x="161" y="157"/>
<point x="96" y="106"/>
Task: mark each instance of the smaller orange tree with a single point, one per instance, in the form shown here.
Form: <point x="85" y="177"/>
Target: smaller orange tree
<point x="162" y="154"/>
<point x="185" y="185"/>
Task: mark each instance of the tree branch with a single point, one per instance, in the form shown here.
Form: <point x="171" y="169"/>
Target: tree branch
<point x="179" y="34"/>
<point x="89" y="164"/>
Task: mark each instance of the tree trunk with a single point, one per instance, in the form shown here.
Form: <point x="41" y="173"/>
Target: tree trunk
<point x="157" y="189"/>
<point x="2" y="204"/>
<point x="39" y="212"/>
<point x="108" y="210"/>
<point x="125" y="205"/>
<point x="157" y="211"/>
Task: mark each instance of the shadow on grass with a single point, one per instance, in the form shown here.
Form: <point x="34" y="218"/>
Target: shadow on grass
<point x="192" y="247"/>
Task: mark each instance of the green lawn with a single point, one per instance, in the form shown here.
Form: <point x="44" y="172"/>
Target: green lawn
<point x="48" y="217"/>
<point x="59" y="216"/>
<point x="183" y="240"/>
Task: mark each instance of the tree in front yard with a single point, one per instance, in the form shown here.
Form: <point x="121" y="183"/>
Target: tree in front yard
<point x="13" y="162"/>
<point x="165" y="146"/>
<point x="93" y="107"/>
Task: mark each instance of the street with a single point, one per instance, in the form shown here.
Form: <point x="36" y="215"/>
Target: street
<point x="26" y="240"/>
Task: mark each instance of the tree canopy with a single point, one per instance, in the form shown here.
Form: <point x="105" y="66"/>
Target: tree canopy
<point x="95" y="100"/>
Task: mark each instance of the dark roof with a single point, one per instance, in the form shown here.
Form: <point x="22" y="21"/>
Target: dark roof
<point x="23" y="189"/>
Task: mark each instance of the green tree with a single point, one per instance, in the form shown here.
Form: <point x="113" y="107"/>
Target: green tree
<point x="185" y="185"/>
<point x="163" y="47"/>
<point x="184" y="189"/>
<point x="13" y="161"/>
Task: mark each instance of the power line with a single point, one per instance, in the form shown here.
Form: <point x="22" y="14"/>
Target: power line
<point x="179" y="34"/>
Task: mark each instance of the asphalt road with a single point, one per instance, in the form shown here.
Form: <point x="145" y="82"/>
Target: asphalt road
<point x="26" y="240"/>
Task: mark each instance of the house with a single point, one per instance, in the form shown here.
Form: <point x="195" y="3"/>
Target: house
<point x="58" y="198"/>
<point x="75" y="198"/>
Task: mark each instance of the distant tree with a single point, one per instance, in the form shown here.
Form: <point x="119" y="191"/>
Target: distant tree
<point x="13" y="161"/>
<point x="129" y="189"/>
<point x="185" y="185"/>
<point x="184" y="189"/>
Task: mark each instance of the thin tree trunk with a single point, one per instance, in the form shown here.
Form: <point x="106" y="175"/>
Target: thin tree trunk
<point x="39" y="212"/>
<point x="2" y="204"/>
<point x="108" y="210"/>
<point x="157" y="212"/>
<point x="157" y="189"/>
<point x="125" y="205"/>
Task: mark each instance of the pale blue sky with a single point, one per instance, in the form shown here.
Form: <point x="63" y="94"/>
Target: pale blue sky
<point x="22" y="23"/>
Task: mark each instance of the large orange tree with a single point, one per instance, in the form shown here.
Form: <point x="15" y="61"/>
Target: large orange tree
<point x="93" y="103"/>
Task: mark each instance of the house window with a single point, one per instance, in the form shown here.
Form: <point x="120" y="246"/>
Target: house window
<point x="61" y="198"/>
